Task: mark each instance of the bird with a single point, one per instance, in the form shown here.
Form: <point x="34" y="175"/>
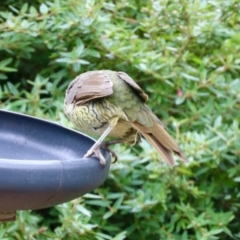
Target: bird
<point x="106" y="103"/>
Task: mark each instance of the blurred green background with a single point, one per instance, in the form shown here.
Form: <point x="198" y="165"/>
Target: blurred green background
<point x="186" y="56"/>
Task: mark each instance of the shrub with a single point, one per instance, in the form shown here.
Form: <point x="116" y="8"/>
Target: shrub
<point x="185" y="54"/>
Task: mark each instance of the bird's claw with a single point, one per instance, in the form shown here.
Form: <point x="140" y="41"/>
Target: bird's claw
<point x="105" y="145"/>
<point x="114" y="155"/>
<point x="98" y="154"/>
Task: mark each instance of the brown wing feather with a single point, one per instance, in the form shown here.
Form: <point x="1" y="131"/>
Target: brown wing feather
<point x="161" y="140"/>
<point x="89" y="86"/>
<point x="162" y="150"/>
<point x="133" y="84"/>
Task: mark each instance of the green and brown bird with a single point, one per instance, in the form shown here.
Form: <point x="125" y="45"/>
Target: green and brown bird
<point x="108" y="103"/>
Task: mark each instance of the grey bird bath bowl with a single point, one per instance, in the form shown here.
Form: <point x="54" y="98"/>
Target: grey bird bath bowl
<point x="42" y="164"/>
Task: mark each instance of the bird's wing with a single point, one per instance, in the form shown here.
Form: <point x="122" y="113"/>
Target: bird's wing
<point x="146" y="122"/>
<point x="133" y="84"/>
<point x="89" y="86"/>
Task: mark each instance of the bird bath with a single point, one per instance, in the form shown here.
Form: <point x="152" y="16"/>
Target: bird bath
<point x="42" y="164"/>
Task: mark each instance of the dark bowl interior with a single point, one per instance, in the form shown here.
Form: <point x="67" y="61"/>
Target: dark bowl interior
<point x="42" y="164"/>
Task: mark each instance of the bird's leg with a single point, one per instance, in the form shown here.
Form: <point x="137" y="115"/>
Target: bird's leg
<point x="106" y="145"/>
<point x="96" y="147"/>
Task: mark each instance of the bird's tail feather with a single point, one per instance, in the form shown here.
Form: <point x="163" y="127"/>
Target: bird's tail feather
<point x="159" y="138"/>
<point x="164" y="152"/>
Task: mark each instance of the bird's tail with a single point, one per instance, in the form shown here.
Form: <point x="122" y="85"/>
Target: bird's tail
<point x="160" y="139"/>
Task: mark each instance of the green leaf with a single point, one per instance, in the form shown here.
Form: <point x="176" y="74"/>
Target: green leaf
<point x="84" y="210"/>
<point x="120" y="236"/>
<point x="218" y="122"/>
<point x="236" y="179"/>
<point x="108" y="214"/>
<point x="43" y="9"/>
<point x="3" y="76"/>
<point x="179" y="100"/>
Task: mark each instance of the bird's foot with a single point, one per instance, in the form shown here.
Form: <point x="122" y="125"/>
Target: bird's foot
<point x="105" y="145"/>
<point x="97" y="152"/>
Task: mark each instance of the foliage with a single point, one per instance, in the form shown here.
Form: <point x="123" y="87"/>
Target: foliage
<point x="185" y="54"/>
